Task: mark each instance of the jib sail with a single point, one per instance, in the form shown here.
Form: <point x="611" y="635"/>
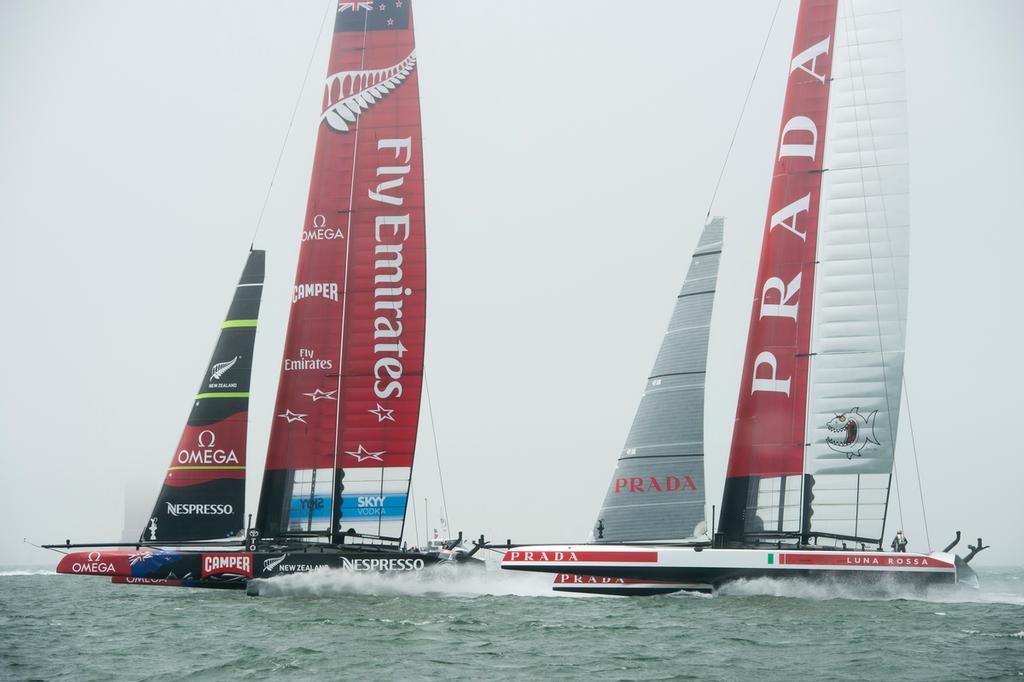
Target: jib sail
<point x="657" y="490"/>
<point x="203" y="496"/>
<point x="344" y="432"/>
<point x="819" y="400"/>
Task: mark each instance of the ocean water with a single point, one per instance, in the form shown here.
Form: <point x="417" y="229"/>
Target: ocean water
<point x="499" y="625"/>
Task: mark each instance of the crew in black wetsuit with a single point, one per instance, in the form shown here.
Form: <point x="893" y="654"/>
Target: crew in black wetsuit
<point x="899" y="543"/>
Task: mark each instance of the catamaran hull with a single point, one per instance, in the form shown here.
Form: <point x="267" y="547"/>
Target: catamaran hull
<point x="234" y="569"/>
<point x="633" y="569"/>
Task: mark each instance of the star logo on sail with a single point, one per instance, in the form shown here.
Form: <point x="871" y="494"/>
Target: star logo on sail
<point x="383" y="413"/>
<point x="321" y="395"/>
<point x="361" y="454"/>
<point x="293" y="417"/>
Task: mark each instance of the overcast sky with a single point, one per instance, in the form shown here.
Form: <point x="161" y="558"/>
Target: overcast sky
<point x="570" y="153"/>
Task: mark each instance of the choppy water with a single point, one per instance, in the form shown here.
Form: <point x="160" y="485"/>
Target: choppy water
<point x="500" y="625"/>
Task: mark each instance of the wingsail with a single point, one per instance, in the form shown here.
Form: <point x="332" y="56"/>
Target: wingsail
<point x="344" y="431"/>
<point x="818" y="409"/>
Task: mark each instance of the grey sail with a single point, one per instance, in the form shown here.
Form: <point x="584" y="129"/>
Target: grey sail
<point x="657" y="490"/>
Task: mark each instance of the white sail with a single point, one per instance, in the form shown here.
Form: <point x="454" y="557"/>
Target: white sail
<point x="860" y="293"/>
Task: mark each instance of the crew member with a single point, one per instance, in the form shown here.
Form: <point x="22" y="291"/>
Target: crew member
<point x="899" y="543"/>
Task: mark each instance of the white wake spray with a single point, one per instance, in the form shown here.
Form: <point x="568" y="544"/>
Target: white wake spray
<point x="452" y="581"/>
<point x="875" y="590"/>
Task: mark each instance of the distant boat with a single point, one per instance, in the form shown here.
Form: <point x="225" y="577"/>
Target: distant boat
<point x="809" y="472"/>
<point x="336" y="486"/>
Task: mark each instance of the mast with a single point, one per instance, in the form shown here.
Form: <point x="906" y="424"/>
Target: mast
<point x="342" y="442"/>
<point x="657" y="490"/>
<point x="203" y="495"/>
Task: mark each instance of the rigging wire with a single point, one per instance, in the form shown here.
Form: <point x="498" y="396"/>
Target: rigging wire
<point x="291" y="123"/>
<point x="899" y="501"/>
<point x="437" y="456"/>
<point x="736" y="130"/>
<point x="917" y="468"/>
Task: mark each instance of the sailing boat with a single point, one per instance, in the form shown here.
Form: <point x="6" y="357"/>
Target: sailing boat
<point x="339" y="463"/>
<point x="656" y="494"/>
<point x="810" y="467"/>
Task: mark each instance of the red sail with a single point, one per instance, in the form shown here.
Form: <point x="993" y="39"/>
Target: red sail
<point x="768" y="438"/>
<point x="344" y="430"/>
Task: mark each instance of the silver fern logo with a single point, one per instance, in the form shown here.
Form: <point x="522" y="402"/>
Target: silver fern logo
<point x="219" y="369"/>
<point x="350" y="93"/>
<point x="270" y="564"/>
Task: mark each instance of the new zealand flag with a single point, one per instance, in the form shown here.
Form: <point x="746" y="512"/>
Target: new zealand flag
<point x="382" y="15"/>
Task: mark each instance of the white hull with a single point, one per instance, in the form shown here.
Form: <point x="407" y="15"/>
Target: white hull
<point x="657" y="568"/>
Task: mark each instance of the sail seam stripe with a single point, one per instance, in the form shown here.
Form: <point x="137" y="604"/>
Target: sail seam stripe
<point x="874" y="75"/>
<point x="676" y="374"/>
<point x="685" y="329"/>
<point x="701" y="454"/>
<point x="875" y="165"/>
<point x="229" y="324"/>
<point x="879" y="102"/>
<point x="872" y="42"/>
<point x="237" y="394"/>
<point x="644" y="504"/>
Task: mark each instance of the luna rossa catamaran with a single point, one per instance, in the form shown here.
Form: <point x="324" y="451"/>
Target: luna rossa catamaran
<point x="810" y="468"/>
<point x="339" y="462"/>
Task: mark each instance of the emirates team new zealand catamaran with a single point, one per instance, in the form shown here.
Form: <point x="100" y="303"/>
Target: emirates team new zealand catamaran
<point x="809" y="472"/>
<point x="339" y="463"/>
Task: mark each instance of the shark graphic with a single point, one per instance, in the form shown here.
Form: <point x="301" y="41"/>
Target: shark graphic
<point x="851" y="432"/>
